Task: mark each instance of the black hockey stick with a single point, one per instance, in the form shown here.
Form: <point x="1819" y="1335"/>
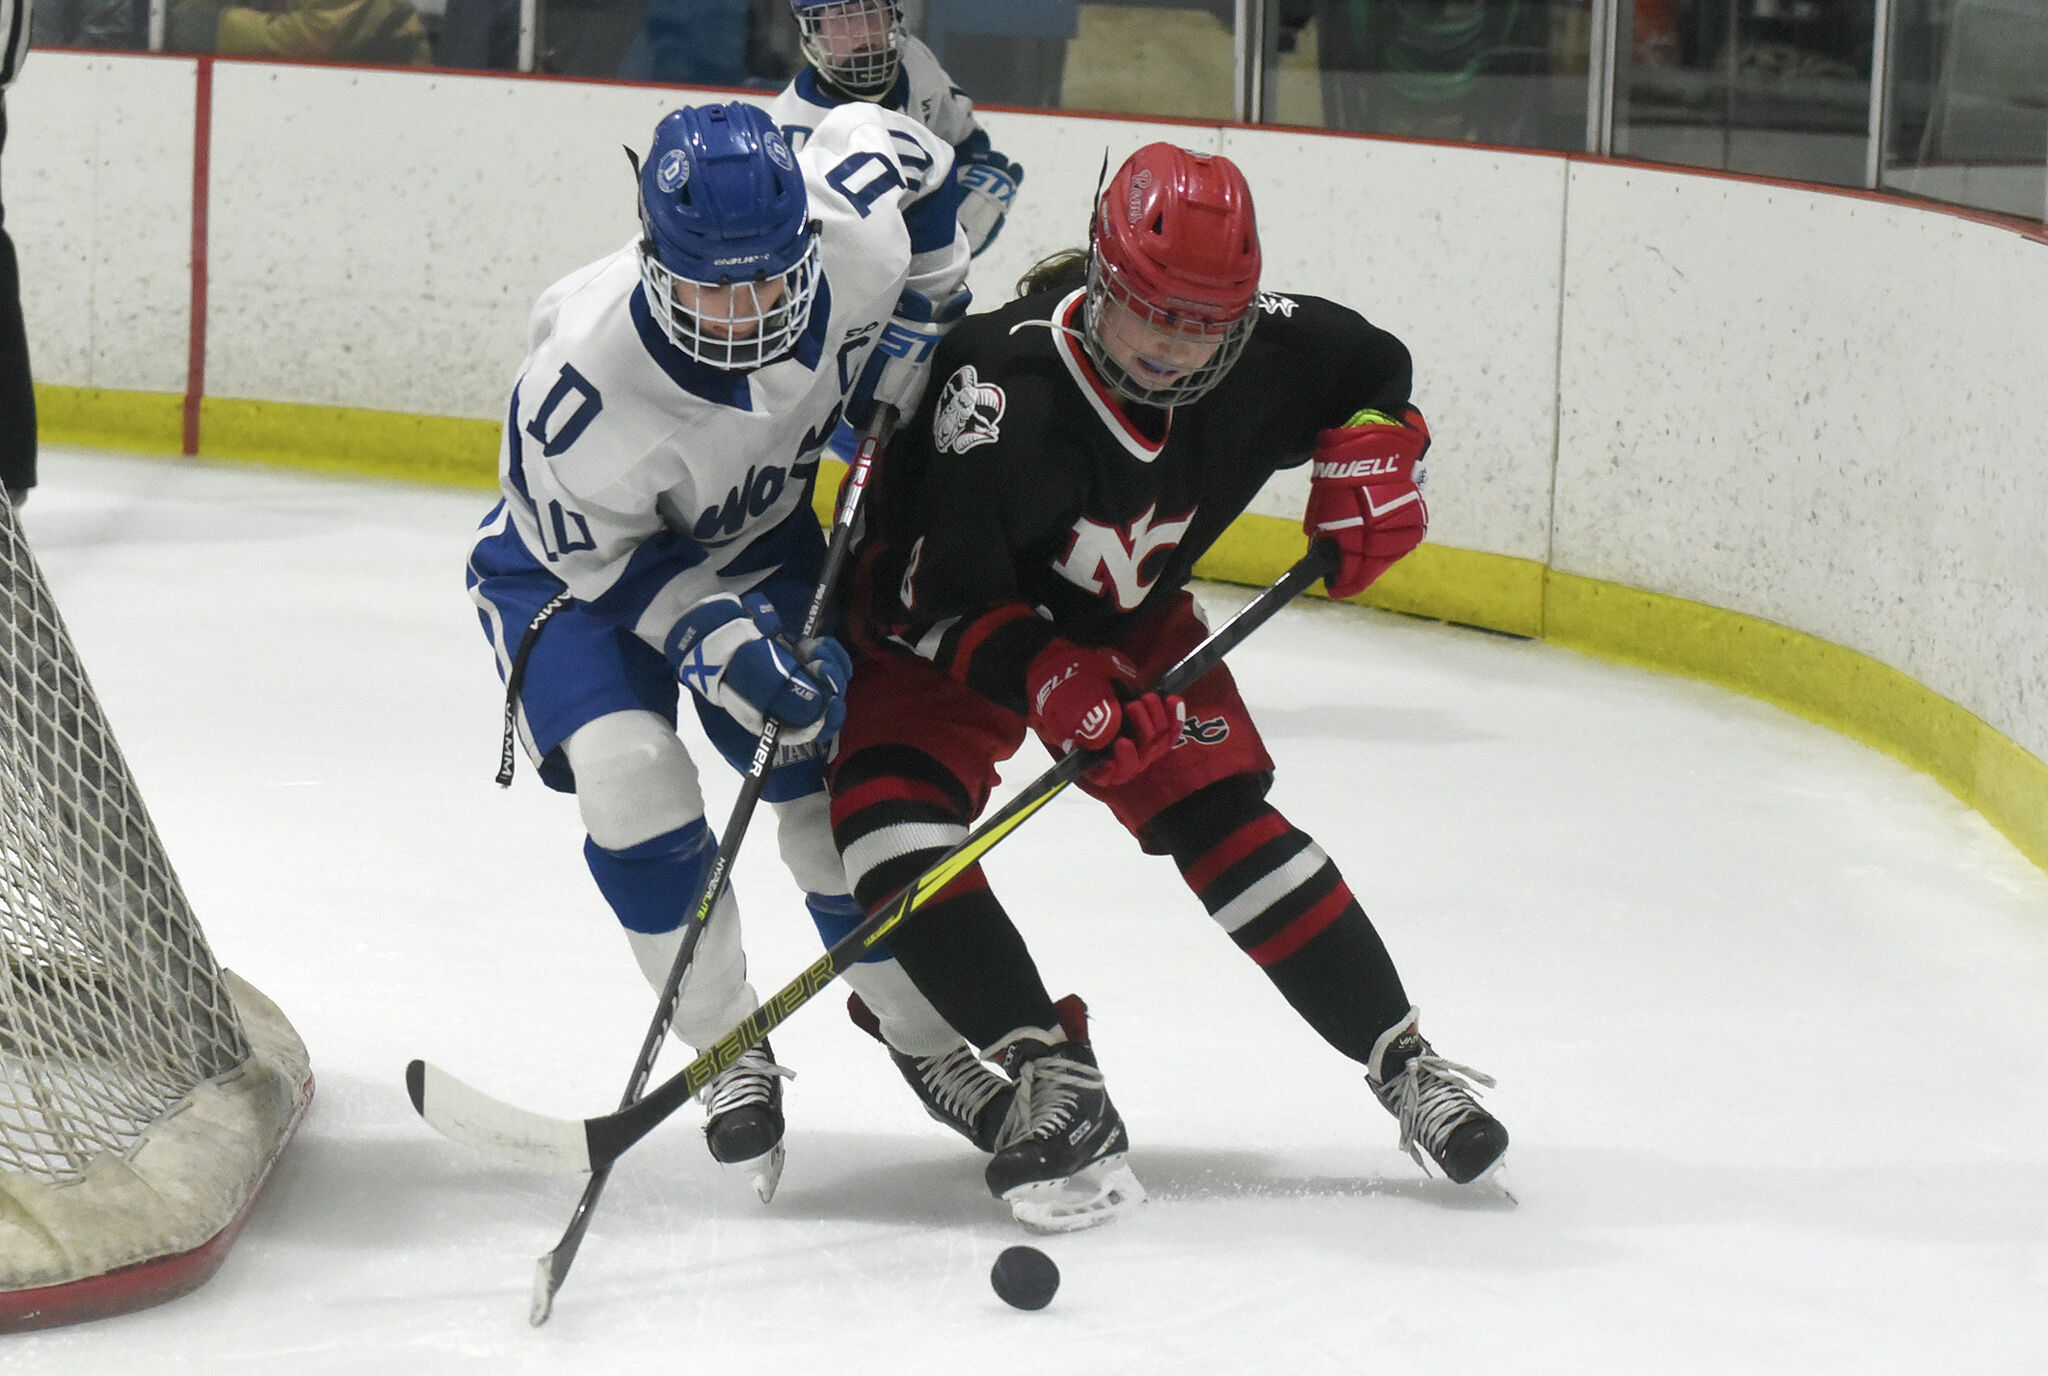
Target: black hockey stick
<point x="553" y="1268"/>
<point x="594" y="1144"/>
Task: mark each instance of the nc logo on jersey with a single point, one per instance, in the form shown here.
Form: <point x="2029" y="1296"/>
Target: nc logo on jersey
<point x="969" y="412"/>
<point x="673" y="171"/>
<point x="1123" y="564"/>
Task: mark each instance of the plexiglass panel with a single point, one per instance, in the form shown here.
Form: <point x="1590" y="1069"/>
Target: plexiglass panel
<point x="1777" y="87"/>
<point x="1478" y="71"/>
<point x="91" y="24"/>
<point x="1968" y="114"/>
<point x="1774" y="87"/>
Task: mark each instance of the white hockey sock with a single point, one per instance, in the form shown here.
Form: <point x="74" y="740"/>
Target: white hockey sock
<point x="909" y="1022"/>
<point x="715" y="994"/>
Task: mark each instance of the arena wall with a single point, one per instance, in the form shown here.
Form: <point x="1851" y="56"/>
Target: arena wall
<point x="1773" y="436"/>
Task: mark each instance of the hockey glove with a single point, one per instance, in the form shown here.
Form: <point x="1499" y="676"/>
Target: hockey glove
<point x="1363" y="494"/>
<point x="896" y="371"/>
<point x="1083" y="699"/>
<point x="989" y="182"/>
<point x="731" y="652"/>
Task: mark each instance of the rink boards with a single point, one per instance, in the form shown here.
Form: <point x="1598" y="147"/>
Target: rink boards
<point x="1777" y="437"/>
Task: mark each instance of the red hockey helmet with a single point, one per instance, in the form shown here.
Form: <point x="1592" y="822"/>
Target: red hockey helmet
<point x="1173" y="274"/>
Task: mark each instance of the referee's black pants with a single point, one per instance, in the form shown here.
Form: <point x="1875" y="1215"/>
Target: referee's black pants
<point x="17" y="396"/>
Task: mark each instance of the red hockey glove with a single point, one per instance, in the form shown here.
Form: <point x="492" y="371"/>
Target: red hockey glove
<point x="1363" y="495"/>
<point x="1077" y="702"/>
<point x="1152" y="726"/>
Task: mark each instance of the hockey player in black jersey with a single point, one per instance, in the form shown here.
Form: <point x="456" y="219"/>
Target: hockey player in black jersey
<point x="1030" y="539"/>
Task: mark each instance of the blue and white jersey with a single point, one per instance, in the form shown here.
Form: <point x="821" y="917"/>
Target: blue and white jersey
<point x="644" y="481"/>
<point x="985" y="182"/>
<point x="922" y="90"/>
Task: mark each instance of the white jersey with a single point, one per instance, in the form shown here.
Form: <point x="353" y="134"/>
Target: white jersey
<point x="922" y="90"/>
<point x="646" y="481"/>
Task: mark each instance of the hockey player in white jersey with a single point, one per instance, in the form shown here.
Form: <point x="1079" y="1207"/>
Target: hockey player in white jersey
<point x="857" y="50"/>
<point x="656" y="531"/>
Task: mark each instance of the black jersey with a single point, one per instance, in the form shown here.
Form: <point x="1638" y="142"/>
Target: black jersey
<point x="1025" y="501"/>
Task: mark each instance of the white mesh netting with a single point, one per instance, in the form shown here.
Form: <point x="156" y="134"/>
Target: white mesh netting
<point x="142" y="1090"/>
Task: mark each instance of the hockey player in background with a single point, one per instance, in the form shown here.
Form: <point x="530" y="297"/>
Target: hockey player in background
<point x="656" y="531"/>
<point x="1025" y="568"/>
<point x="857" y="50"/>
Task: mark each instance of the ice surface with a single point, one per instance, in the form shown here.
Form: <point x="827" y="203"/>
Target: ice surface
<point x="1769" y="1013"/>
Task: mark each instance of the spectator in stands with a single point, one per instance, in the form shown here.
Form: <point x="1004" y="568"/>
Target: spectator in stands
<point x="17" y="393"/>
<point x="1432" y="68"/>
<point x="375" y="31"/>
<point x="92" y="24"/>
<point x="481" y="34"/>
<point x="691" y="43"/>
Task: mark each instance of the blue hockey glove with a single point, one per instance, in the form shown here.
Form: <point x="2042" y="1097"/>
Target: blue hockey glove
<point x="731" y="652"/>
<point x="989" y="182"/>
<point x="896" y="371"/>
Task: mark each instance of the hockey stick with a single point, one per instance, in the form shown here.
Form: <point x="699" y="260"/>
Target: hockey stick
<point x="476" y="1119"/>
<point x="553" y="1268"/>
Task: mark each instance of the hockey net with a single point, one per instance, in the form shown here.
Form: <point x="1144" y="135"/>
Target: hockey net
<point x="144" y="1091"/>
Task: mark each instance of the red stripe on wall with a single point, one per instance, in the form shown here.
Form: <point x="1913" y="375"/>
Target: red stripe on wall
<point x="195" y="347"/>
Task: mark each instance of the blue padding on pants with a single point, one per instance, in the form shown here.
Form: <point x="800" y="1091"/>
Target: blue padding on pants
<point x="652" y="885"/>
<point x="836" y="915"/>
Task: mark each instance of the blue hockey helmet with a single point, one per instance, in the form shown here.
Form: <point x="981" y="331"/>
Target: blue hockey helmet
<point x="857" y="45"/>
<point x="728" y="253"/>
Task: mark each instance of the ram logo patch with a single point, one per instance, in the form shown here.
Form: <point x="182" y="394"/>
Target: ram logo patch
<point x="970" y="412"/>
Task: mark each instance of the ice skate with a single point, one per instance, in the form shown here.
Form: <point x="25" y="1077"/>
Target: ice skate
<point x="1059" y="1163"/>
<point x="743" y="1119"/>
<point x="955" y="1087"/>
<point x="1433" y="1099"/>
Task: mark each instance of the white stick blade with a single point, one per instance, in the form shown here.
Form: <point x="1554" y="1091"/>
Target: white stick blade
<point x="543" y="1292"/>
<point x="476" y="1120"/>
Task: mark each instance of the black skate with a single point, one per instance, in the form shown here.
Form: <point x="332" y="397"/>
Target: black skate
<point x="1059" y="1163"/>
<point x="1433" y="1100"/>
<point x="743" y="1118"/>
<point x="955" y="1087"/>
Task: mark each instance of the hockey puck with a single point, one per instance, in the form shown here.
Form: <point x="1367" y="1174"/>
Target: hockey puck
<point x="1025" y="1277"/>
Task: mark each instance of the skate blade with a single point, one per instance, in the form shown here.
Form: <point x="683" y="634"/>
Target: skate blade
<point x="1496" y="1176"/>
<point x="1097" y="1194"/>
<point x="762" y="1172"/>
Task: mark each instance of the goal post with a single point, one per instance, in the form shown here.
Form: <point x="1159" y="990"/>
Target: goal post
<point x="145" y="1092"/>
